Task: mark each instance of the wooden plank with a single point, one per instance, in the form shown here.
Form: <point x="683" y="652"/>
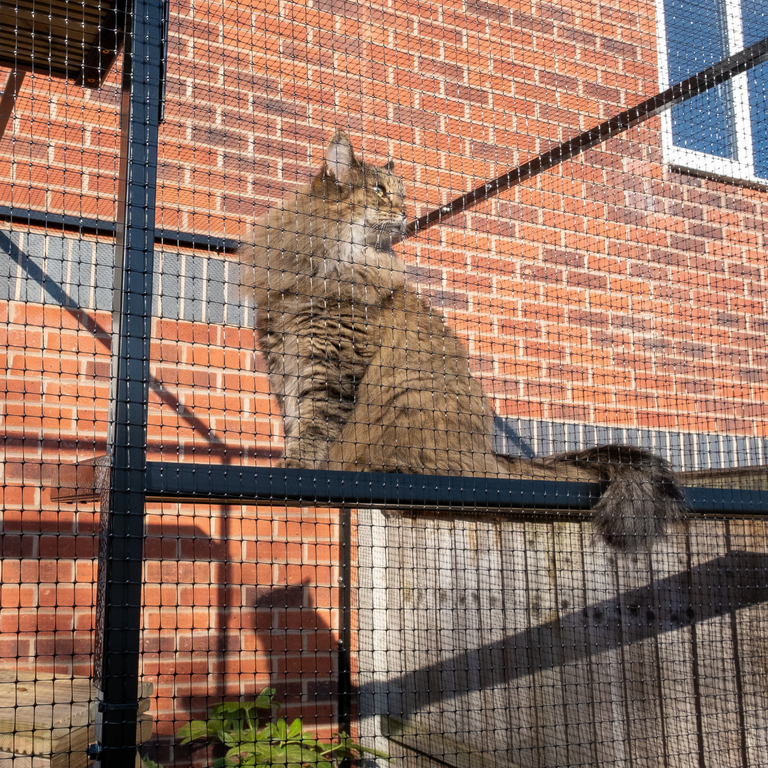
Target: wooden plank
<point x="478" y="623"/>
<point x="91" y="9"/>
<point x="488" y="577"/>
<point x="66" y="760"/>
<point x="69" y="30"/>
<point x="575" y="675"/>
<point x="56" y="761"/>
<point x="751" y="629"/>
<point x="402" y="559"/>
<point x="606" y="664"/>
<point x="64" y="687"/>
<point x="546" y="659"/>
<point x="642" y="691"/>
<point x="380" y="612"/>
<point x="425" y="609"/>
<point x="66" y="742"/>
<point x="675" y="653"/>
<point x="445" y="646"/>
<point x="715" y="668"/>
<point x="52" y="716"/>
<point x="469" y="705"/>
<point x="517" y="692"/>
<point x="12" y="761"/>
<point x="474" y="709"/>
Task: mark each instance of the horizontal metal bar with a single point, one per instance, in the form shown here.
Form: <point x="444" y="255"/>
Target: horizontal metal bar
<point x="81" y="224"/>
<point x="267" y="485"/>
<point x="34" y="218"/>
<point x="193" y="240"/>
<point x="699" y="83"/>
<point x="296" y="487"/>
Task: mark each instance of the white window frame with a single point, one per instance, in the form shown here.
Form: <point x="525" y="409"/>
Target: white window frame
<point x="742" y="167"/>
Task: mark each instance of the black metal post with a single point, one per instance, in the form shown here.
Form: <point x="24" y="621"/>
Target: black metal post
<point x="116" y="666"/>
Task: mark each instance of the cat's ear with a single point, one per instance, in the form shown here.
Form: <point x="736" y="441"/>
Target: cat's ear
<point x="390" y="166"/>
<point x="339" y="157"/>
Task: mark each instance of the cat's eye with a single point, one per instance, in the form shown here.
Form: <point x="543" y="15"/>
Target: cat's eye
<point x="380" y="191"/>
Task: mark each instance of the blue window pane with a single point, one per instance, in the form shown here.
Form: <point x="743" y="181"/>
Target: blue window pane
<point x="754" y="20"/>
<point x="758" y="92"/>
<point x="697" y="38"/>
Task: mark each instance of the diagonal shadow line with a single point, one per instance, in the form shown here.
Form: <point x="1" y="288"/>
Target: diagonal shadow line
<point x="714" y="588"/>
<point x="61" y="297"/>
<point x="513" y="438"/>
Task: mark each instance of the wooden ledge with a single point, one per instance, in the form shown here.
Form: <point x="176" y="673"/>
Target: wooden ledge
<point x="49" y="722"/>
<point x="84" y="481"/>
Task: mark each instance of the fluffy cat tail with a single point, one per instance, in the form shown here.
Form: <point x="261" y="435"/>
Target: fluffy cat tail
<point x="641" y="498"/>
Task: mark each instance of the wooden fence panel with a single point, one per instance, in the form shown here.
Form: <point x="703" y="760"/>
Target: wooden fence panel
<point x="533" y="644"/>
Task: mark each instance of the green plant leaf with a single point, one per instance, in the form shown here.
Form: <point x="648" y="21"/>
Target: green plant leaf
<point x="217" y="728"/>
<point x="266" y="699"/>
<point x="298" y="754"/>
<point x="346" y="748"/>
<point x="294" y="729"/>
<point x="197" y="729"/>
<point x="269" y="732"/>
<point x="261" y="752"/>
<point x="231" y="708"/>
<point x="147" y="763"/>
<point x="235" y="723"/>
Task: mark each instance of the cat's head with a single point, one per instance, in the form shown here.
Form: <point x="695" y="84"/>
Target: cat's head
<point x="370" y="197"/>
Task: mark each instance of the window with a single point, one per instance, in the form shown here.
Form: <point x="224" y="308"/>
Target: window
<point x="725" y="130"/>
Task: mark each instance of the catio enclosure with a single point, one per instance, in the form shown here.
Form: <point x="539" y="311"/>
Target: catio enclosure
<point x="585" y="189"/>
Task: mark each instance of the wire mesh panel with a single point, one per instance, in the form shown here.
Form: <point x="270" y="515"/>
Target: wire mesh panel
<point x="429" y="313"/>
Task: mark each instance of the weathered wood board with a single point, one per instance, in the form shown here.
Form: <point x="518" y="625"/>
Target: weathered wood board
<point x="510" y="643"/>
<point x="48" y="723"/>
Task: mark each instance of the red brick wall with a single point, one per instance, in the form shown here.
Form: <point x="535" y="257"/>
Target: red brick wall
<point x="611" y="290"/>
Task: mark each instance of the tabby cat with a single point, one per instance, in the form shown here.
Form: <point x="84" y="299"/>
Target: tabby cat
<point x="369" y="377"/>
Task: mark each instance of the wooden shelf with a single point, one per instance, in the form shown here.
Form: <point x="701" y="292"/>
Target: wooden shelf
<point x="49" y="723"/>
<point x="59" y="38"/>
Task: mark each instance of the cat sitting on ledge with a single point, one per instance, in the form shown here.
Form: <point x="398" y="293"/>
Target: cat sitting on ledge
<point x="370" y="378"/>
